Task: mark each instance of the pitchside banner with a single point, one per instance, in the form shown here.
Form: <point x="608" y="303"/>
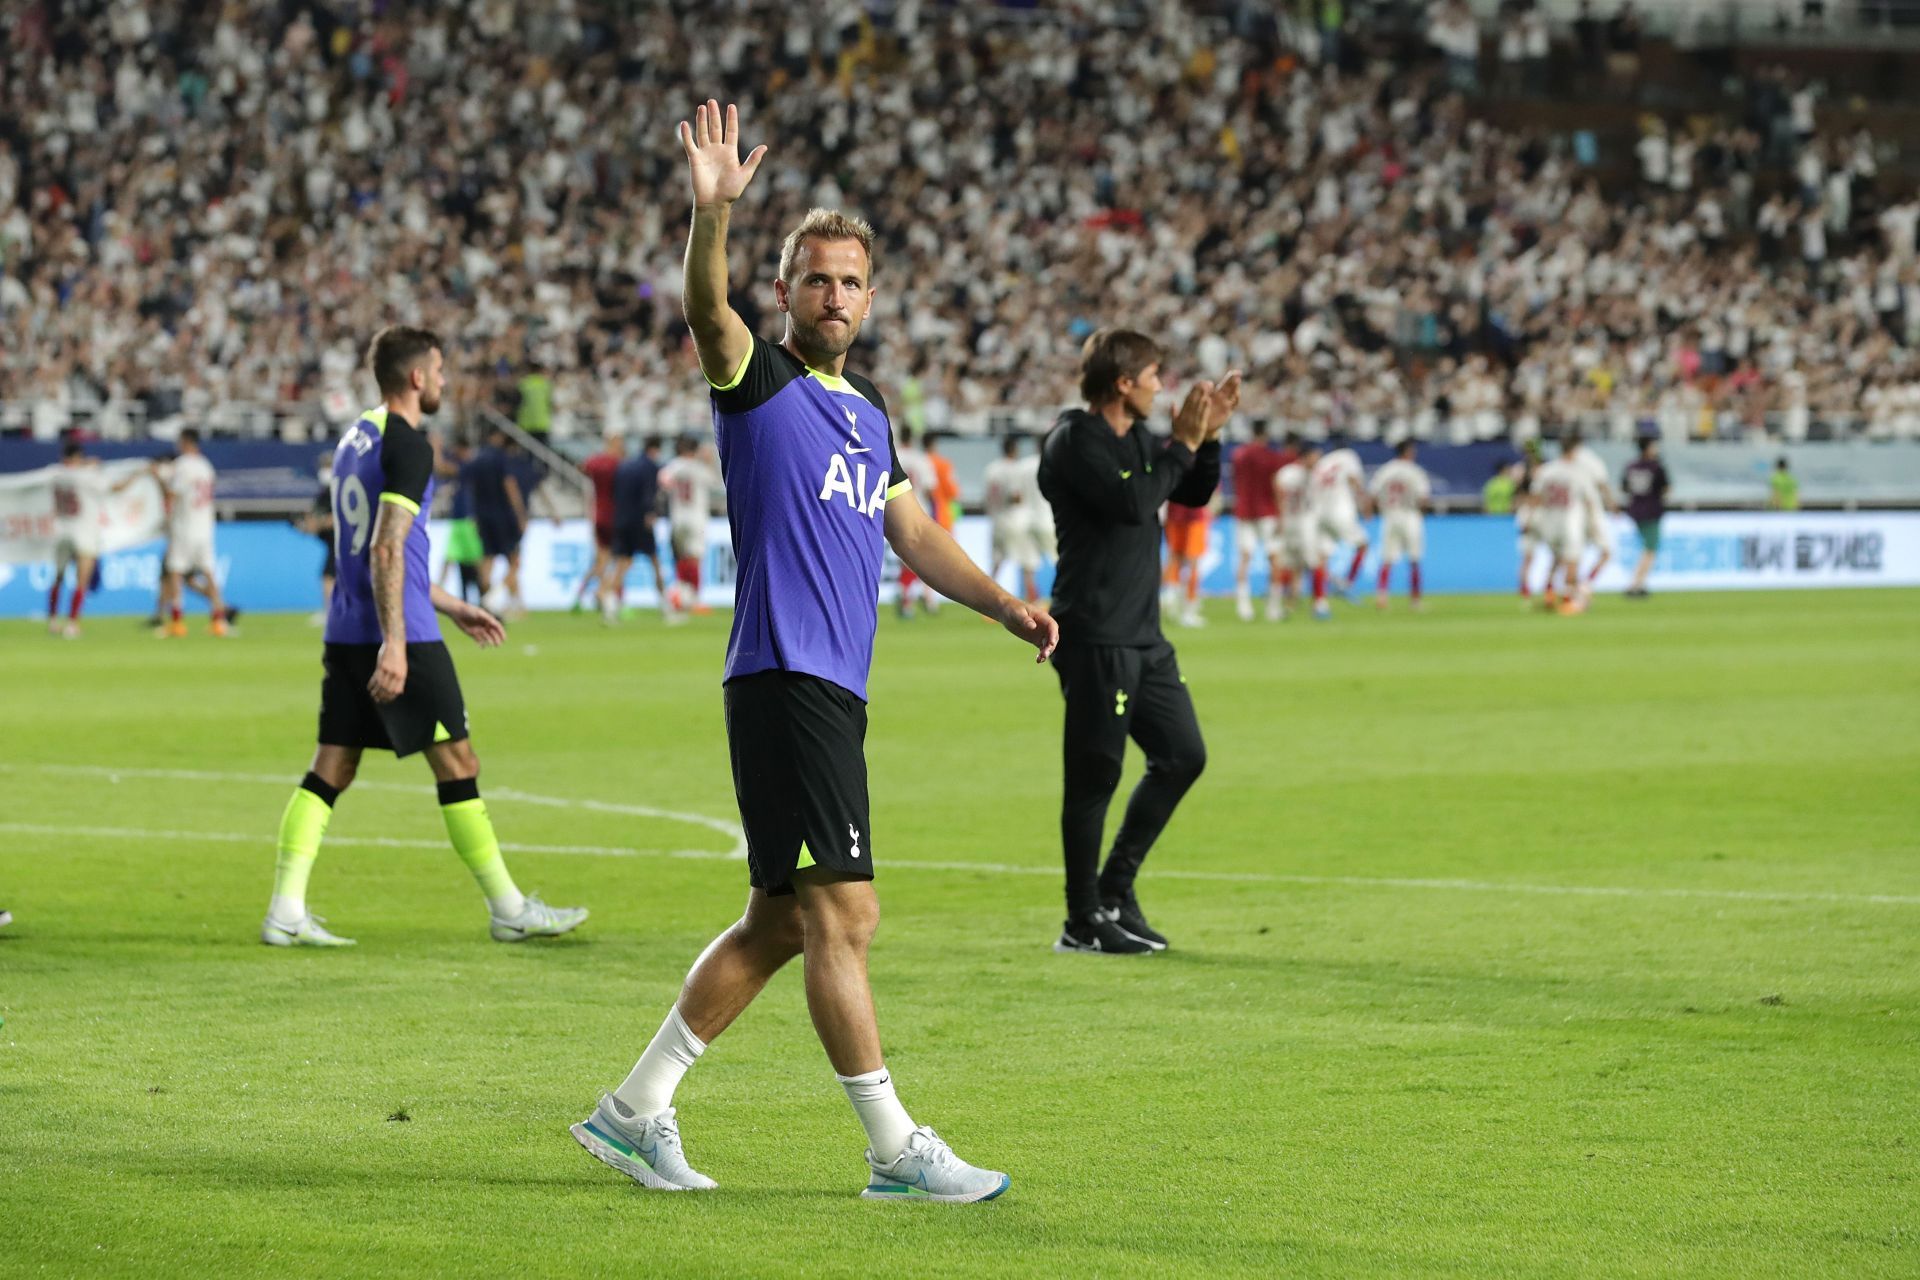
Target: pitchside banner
<point x="274" y="568"/>
<point x="29" y="524"/>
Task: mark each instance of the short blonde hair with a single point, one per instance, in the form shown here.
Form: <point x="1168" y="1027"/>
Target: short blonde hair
<point x="825" y="224"/>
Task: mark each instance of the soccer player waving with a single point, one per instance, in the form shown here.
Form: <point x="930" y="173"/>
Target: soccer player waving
<point x="389" y="682"/>
<point x="812" y="481"/>
<point x="1106" y="476"/>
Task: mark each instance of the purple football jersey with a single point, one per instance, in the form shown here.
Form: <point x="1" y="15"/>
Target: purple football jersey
<point x="381" y="459"/>
<point x="809" y="466"/>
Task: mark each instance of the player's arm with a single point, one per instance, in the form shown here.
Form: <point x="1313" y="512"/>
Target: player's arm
<point x="930" y="551"/>
<point x="486" y="629"/>
<point x="718" y="177"/>
<point x="515" y="499"/>
<point x="1197" y="487"/>
<point x="406" y="458"/>
<point x="1088" y="464"/>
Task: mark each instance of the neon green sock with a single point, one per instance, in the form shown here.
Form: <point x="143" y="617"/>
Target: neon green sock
<point x="302" y="827"/>
<point x="471" y="831"/>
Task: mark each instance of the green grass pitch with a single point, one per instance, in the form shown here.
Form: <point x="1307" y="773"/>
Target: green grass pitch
<point x="1505" y="945"/>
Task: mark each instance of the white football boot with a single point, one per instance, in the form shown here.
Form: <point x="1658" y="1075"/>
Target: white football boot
<point x="310" y="932"/>
<point x="928" y="1170"/>
<point x="645" y="1148"/>
<point x="537" y="920"/>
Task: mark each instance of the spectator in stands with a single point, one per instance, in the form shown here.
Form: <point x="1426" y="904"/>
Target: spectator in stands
<point x="1784" y="488"/>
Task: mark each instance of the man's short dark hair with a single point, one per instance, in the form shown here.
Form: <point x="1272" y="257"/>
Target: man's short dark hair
<point x="189" y="435"/>
<point x="1259" y="428"/>
<point x="649" y="444"/>
<point x="1009" y="446"/>
<point x="396" y="351"/>
<point x="1110" y="355"/>
<point x="1647" y="443"/>
<point x="72" y="449"/>
<point x="1405" y="447"/>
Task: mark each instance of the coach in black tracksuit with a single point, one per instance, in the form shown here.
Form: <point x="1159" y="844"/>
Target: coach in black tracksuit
<point x="1106" y="475"/>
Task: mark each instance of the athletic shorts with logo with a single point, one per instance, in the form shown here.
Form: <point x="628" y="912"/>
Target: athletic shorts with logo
<point x="190" y="553"/>
<point x="798" y="745"/>
<point x="71" y="547"/>
<point x="689" y="539"/>
<point x="1403" y="536"/>
<point x="1260" y="534"/>
<point x="429" y="709"/>
<point x="1341" y="524"/>
<point x="635" y="539"/>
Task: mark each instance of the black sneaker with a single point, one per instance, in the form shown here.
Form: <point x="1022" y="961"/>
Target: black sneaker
<point x="1099" y="934"/>
<point x="1124" y="914"/>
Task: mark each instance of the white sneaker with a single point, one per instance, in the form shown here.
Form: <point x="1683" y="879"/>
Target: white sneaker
<point x="645" y="1148"/>
<point x="310" y="932"/>
<point x="1276" y="612"/>
<point x="1244" y="607"/>
<point x="928" y="1170"/>
<point x="537" y="920"/>
<point x="1192" y="617"/>
<point x="6" y="918"/>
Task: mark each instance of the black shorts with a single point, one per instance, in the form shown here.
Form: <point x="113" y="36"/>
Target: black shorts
<point x="430" y="709"/>
<point x="798" y="745"/>
<point x="603" y="536"/>
<point x="635" y="540"/>
<point x="499" y="534"/>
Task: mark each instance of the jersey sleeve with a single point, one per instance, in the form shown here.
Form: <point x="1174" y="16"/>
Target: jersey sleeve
<point x="406" y="459"/>
<point x="899" y="482"/>
<point x="757" y="379"/>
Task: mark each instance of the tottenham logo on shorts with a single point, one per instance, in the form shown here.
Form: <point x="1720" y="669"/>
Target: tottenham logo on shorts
<point x="854" y="832"/>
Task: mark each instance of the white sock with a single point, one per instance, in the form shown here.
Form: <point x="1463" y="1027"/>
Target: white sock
<point x="881" y="1115"/>
<point x="648" y="1088"/>
<point x="285" y="910"/>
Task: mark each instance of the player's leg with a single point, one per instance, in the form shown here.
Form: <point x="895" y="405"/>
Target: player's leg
<point x="210" y="588"/>
<point x="53" y="592"/>
<point x="839" y="914"/>
<point x="1245" y="536"/>
<point x="1099" y="685"/>
<point x="303" y="825"/>
<point x="82" y="579"/>
<point x="1389" y="556"/>
<point x="613" y="588"/>
<point x="513" y="916"/>
<point x="634" y="1128"/>
<point x="1165" y="726"/>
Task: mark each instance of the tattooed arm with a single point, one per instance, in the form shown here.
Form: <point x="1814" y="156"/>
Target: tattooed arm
<point x="389" y="563"/>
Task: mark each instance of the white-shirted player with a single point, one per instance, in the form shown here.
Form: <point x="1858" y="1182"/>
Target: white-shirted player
<point x="1339" y="499"/>
<point x="78" y="491"/>
<point x="1600" y="535"/>
<point x="1297" y="549"/>
<point x="1040" y="543"/>
<point x="188" y="482"/>
<point x="919" y="469"/>
<point x="1004" y="515"/>
<point x="689" y="481"/>
<point x="1567" y="508"/>
<point x="1525" y="505"/>
<point x="1401" y="491"/>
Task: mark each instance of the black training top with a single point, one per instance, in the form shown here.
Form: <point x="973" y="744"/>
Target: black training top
<point x="1106" y="492"/>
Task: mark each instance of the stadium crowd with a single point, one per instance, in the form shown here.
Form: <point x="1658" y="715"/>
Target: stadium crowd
<point x="203" y="206"/>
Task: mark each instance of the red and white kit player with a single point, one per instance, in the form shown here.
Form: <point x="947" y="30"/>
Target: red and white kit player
<point x="1401" y="490"/>
<point x="1339" y="495"/>
<point x="689" y="482"/>
<point x="1297" y="549"/>
<point x="188" y="482"/>
<point x="1567" y="507"/>
<point x="1256" y="520"/>
<point x="78" y="492"/>
<point x="1600" y="532"/>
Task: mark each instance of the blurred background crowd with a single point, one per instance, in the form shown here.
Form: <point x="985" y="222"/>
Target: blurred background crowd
<point x="206" y="209"/>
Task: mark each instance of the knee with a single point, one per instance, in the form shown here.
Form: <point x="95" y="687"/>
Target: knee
<point x="849" y="924"/>
<point x="780" y="934"/>
<point x="1187" y="764"/>
<point x="1090" y="773"/>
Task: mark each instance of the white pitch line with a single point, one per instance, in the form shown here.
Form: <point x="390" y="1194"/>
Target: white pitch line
<point x="1024" y="869"/>
<point x="730" y="830"/>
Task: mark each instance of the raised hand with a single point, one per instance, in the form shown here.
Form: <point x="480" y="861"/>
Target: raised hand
<point x="1221" y="404"/>
<point x="713" y="155"/>
<point x="1190" y="421"/>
